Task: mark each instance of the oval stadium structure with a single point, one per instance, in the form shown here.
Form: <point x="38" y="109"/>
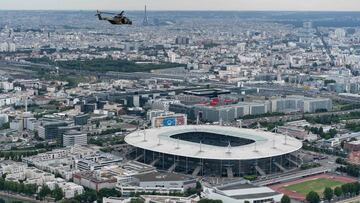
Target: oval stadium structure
<point x="210" y="150"/>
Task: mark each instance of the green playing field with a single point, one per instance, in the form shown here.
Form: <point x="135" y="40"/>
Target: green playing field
<point x="317" y="185"/>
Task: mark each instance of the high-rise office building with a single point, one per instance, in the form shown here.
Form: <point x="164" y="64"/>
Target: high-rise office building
<point x="72" y="138"/>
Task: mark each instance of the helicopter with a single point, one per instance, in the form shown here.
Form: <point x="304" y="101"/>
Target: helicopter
<point x="118" y="19"/>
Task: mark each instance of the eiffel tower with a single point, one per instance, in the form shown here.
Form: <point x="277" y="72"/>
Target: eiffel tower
<point x="146" y="20"/>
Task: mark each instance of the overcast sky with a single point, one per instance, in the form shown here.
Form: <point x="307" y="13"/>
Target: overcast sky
<point x="314" y="5"/>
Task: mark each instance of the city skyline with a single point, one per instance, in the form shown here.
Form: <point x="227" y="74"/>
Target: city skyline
<point x="234" y="5"/>
<point x="195" y="101"/>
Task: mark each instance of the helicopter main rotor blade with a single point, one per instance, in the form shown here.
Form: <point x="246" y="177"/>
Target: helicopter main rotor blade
<point x="110" y="13"/>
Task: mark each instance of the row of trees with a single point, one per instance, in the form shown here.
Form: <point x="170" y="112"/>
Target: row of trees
<point x="45" y="191"/>
<point x="320" y="131"/>
<point x="17" y="155"/>
<point x="346" y="190"/>
<point x="332" y="119"/>
<point x="88" y="196"/>
<point x="5" y="126"/>
<point x="101" y="141"/>
<point x="271" y="126"/>
<point x="313" y="197"/>
<point x="353" y="127"/>
<point x="351" y="115"/>
<point x="263" y="115"/>
<point x="350" y="107"/>
<point x="20" y="188"/>
<point x="30" y="189"/>
<point x="285" y="199"/>
<point x="92" y="196"/>
<point x="349" y="169"/>
<point x="341" y="161"/>
<point x="309" y="166"/>
<point x="325" y="119"/>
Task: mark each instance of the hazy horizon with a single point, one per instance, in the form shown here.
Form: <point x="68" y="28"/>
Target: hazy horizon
<point x="169" y="10"/>
<point x="184" y="5"/>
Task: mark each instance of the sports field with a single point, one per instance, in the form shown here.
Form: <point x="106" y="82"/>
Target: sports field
<point x="298" y="189"/>
<point x="317" y="185"/>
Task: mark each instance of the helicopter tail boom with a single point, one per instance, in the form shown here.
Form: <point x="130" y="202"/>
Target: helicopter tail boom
<point x="98" y="14"/>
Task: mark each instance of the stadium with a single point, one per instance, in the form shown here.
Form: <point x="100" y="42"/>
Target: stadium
<point x="215" y="151"/>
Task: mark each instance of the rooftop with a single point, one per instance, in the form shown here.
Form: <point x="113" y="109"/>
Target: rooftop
<point x="266" y="144"/>
<point x="162" y="176"/>
<point x="244" y="191"/>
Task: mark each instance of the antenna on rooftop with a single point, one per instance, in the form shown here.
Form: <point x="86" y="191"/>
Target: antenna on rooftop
<point x="177" y="143"/>
<point x="274" y="147"/>
<point x="286" y="136"/>
<point x="26" y="104"/>
<point x="229" y="148"/>
<point x="255" y="146"/>
<point x="197" y="119"/>
<point x="144" y="135"/>
<point x="200" y="147"/>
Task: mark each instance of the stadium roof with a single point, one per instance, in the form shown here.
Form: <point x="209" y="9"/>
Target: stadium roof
<point x="266" y="144"/>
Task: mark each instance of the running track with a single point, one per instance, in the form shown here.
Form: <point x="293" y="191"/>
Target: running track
<point x="294" y="195"/>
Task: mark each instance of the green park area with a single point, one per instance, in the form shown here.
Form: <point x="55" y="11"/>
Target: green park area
<point x="316" y="185"/>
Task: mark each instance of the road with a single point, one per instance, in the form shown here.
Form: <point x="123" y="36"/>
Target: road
<point x="18" y="197"/>
<point x="351" y="200"/>
<point x="326" y="46"/>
